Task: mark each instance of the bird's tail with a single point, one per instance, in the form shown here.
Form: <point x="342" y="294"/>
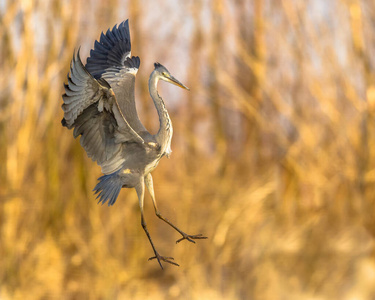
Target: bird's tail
<point x="108" y="188"/>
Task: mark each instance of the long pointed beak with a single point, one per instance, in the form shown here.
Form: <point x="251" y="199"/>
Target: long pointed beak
<point x="173" y="80"/>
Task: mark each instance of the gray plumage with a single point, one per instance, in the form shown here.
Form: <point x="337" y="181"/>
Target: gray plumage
<point x="99" y="105"/>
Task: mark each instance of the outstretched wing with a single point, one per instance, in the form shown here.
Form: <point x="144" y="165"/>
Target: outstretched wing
<point x="111" y="59"/>
<point x="91" y="108"/>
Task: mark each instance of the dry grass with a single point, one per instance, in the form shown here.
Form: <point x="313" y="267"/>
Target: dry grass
<point x="273" y="153"/>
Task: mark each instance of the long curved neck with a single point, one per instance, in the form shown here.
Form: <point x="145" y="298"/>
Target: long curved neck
<point x="165" y="132"/>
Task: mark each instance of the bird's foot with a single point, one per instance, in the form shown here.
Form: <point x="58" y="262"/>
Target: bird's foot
<point x="190" y="238"/>
<point x="163" y="258"/>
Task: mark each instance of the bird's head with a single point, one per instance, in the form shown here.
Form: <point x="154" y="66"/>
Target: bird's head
<point x="164" y="74"/>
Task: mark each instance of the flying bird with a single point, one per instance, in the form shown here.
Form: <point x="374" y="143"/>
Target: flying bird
<point x="99" y="105"/>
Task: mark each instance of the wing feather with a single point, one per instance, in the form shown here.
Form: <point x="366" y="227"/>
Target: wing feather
<point x="84" y="95"/>
<point x="111" y="59"/>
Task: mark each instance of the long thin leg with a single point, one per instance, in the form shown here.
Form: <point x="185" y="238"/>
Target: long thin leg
<point x="150" y="187"/>
<point x="140" y="188"/>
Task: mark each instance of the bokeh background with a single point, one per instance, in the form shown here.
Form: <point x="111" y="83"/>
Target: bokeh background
<point x="273" y="153"/>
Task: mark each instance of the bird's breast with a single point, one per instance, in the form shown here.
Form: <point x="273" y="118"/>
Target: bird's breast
<point x="166" y="148"/>
<point x="152" y="165"/>
<point x="161" y="148"/>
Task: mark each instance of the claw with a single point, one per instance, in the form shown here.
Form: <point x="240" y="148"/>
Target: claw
<point x="191" y="237"/>
<point x="163" y="258"/>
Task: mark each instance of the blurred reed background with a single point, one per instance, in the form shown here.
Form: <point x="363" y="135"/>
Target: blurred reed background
<point x="273" y="153"/>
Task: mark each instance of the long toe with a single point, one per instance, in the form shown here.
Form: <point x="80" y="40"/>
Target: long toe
<point x="165" y="259"/>
<point x="190" y="238"/>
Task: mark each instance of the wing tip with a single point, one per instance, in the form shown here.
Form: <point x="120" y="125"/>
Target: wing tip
<point x="108" y="46"/>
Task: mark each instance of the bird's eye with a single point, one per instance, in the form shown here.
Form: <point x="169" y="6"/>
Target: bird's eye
<point x="165" y="74"/>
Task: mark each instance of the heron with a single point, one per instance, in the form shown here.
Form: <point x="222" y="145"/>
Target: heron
<point x="99" y="105"/>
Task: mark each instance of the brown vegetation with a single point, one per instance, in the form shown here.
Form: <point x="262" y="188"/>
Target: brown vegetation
<point x="273" y="153"/>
